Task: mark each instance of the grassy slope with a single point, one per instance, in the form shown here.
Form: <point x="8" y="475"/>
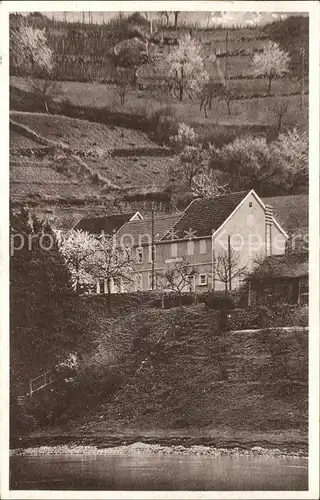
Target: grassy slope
<point x="82" y="134"/>
<point x="260" y="110"/>
<point x="40" y="176"/>
<point x="176" y="390"/>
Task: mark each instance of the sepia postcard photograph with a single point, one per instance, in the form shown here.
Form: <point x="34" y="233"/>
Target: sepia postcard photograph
<point x="160" y="249"/>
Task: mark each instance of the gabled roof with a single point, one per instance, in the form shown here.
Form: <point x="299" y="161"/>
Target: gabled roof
<point x="292" y="211"/>
<point x="139" y="232"/>
<point x="290" y="265"/>
<point x="203" y="216"/>
<point x="109" y="224"/>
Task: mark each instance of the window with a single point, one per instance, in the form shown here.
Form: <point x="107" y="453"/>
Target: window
<point x="250" y="204"/>
<point x="150" y="253"/>
<point x="202" y="279"/>
<point x="101" y="286"/>
<point x="174" y="250"/>
<point x="190" y="248"/>
<point x="203" y="246"/>
<point x="140" y="255"/>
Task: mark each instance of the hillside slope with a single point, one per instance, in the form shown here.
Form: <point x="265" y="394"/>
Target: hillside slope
<point x="56" y="158"/>
<point x="167" y="367"/>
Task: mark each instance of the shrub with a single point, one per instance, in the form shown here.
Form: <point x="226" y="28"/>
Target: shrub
<point x="244" y="319"/>
<point x="263" y="317"/>
<point x="217" y="300"/>
<point x="299" y="316"/>
<point x="164" y="123"/>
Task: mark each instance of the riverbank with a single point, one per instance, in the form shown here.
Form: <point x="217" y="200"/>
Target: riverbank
<point x="293" y="442"/>
<point x="144" y="448"/>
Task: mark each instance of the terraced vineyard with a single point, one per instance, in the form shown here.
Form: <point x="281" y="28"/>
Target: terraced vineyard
<point x="82" y="134"/>
<point x="85" y="160"/>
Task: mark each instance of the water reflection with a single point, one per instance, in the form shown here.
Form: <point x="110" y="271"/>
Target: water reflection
<point x="157" y="472"/>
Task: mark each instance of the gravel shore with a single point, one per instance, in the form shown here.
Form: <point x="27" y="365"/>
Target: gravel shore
<point x="144" y="448"/>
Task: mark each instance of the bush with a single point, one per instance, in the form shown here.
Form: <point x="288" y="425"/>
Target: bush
<point x="244" y="319"/>
<point x="164" y="123"/>
<point x="300" y="316"/>
<point x="263" y="317"/>
<point x="218" y="300"/>
<point x="171" y="300"/>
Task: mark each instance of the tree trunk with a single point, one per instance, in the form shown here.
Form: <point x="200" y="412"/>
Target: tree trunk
<point x="228" y="106"/>
<point x="176" y="14"/>
<point x="46" y="107"/>
<point x="109" y="294"/>
<point x="269" y="84"/>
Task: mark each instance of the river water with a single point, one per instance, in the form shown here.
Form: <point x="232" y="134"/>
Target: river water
<point x="157" y="472"/>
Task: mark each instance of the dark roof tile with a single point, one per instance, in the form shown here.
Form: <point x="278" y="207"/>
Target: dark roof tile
<point x="203" y="216"/>
<point x="139" y="232"/>
<point x="109" y="224"/>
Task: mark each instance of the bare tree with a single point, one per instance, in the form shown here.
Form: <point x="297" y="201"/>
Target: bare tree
<point x="303" y="53"/>
<point x="227" y="267"/>
<point x="280" y="111"/>
<point x="125" y="80"/>
<point x="192" y="161"/>
<point x="176" y="15"/>
<point x="177" y="277"/>
<point x="165" y="14"/>
<point x="210" y="90"/>
<point x="45" y="90"/>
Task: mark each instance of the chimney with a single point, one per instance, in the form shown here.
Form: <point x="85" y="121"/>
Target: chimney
<point x="268" y="217"/>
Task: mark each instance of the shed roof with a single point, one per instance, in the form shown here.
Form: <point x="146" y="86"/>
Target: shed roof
<point x="290" y="265"/>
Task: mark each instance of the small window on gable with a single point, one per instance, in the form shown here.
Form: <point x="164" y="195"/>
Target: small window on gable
<point x="174" y="250"/>
<point x="203" y="246"/>
<point x="250" y="204"/>
<point x="140" y="255"/>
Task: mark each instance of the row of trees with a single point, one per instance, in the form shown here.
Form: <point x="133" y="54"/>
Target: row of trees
<point x="184" y="67"/>
<point x="280" y="166"/>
